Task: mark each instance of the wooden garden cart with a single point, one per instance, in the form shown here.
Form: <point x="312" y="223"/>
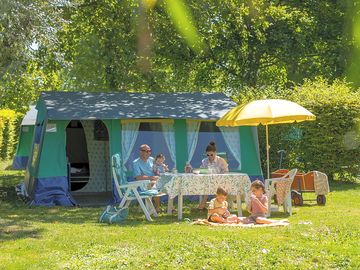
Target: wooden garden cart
<point x="310" y="182"/>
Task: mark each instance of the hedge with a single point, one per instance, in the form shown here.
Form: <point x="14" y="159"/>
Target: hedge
<point x="9" y="129"/>
<point x="330" y="144"/>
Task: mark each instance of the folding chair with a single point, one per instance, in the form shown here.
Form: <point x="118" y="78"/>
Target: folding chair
<point x="282" y="188"/>
<point x="128" y="191"/>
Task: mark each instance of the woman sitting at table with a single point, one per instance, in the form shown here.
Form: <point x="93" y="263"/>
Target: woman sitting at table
<point x="214" y="163"/>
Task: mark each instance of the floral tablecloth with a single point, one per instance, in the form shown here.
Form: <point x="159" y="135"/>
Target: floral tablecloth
<point x="204" y="184"/>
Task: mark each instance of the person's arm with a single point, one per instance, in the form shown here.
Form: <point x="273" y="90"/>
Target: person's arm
<point x="218" y="210"/>
<point x="166" y="168"/>
<point x="224" y="166"/>
<point x="146" y="177"/>
<point x="263" y="206"/>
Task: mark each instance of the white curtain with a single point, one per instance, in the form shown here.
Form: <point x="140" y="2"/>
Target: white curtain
<point x="192" y="137"/>
<point x="169" y="135"/>
<point x="129" y="134"/>
<point x="232" y="139"/>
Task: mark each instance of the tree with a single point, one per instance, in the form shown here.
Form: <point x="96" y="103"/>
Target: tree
<point x="29" y="60"/>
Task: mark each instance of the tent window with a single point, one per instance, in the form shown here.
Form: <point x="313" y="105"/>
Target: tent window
<point x="210" y="132"/>
<point x="100" y="131"/>
<point x="150" y="127"/>
<point x="150" y="133"/>
<point x="209" y="127"/>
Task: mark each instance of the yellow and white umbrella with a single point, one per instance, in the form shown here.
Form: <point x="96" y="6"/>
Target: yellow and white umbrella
<point x="265" y="112"/>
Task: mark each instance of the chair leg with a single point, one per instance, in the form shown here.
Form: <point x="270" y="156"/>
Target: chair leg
<point x="269" y="195"/>
<point x="127" y="204"/>
<point x="142" y="205"/>
<point x="287" y="204"/>
<point x="150" y="207"/>
<point x="125" y="198"/>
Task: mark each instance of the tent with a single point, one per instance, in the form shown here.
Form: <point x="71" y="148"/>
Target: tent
<point x="77" y="132"/>
<point x="25" y="139"/>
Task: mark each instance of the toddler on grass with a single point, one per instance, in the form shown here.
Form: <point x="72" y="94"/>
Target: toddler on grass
<point x="258" y="206"/>
<point x="218" y="209"/>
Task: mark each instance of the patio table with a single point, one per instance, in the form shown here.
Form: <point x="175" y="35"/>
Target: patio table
<point x="237" y="184"/>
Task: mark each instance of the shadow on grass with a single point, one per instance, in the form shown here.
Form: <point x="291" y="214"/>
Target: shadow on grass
<point x="11" y="180"/>
<point x="12" y="230"/>
<point x="20" y="218"/>
<point x="22" y="215"/>
<point x="343" y="185"/>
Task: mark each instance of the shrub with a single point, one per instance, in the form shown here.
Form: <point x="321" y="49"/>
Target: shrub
<point x="9" y="123"/>
<point x="330" y="144"/>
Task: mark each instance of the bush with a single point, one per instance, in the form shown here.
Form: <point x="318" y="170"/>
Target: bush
<point x="330" y="144"/>
<point x="9" y="123"/>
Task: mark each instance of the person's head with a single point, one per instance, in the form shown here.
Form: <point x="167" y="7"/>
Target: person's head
<point x="145" y="151"/>
<point x="159" y="159"/>
<point x="211" y="151"/>
<point x="221" y="194"/>
<point x="258" y="188"/>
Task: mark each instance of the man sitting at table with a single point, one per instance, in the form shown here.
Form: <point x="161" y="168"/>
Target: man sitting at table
<point x="142" y="167"/>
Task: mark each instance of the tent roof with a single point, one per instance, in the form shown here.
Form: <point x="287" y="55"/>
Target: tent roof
<point x="123" y="105"/>
<point x="30" y="117"/>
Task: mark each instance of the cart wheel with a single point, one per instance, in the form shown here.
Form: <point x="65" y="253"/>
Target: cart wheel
<point x="297" y="198"/>
<point x="321" y="199"/>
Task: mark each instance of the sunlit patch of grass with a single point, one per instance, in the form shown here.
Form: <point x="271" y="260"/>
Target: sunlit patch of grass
<point x="319" y="237"/>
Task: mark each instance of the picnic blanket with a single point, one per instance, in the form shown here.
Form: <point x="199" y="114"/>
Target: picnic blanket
<point x="208" y="223"/>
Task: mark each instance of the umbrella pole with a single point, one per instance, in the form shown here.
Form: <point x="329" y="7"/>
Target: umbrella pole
<point x="267" y="152"/>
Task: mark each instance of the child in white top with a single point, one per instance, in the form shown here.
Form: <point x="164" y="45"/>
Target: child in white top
<point x="218" y="209"/>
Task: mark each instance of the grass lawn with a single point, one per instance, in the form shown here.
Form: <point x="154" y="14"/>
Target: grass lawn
<point x="326" y="237"/>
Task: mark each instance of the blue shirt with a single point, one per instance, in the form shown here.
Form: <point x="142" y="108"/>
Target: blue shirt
<point x="143" y="168"/>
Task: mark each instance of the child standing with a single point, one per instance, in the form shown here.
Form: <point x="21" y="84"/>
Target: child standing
<point x="218" y="209"/>
<point x="159" y="165"/>
<point x="258" y="206"/>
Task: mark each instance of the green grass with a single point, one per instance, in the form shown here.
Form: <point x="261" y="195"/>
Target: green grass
<point x="325" y="237"/>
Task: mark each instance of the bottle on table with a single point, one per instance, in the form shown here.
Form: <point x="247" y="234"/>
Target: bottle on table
<point x="188" y="168"/>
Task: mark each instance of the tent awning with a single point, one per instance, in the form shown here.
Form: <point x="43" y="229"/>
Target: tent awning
<point x="30" y="117"/>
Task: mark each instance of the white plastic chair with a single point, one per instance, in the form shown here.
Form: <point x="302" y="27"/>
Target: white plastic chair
<point x="128" y="191"/>
<point x="283" y="188"/>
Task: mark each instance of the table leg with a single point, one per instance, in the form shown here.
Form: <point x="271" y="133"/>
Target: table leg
<point x="170" y="206"/>
<point x="180" y="205"/>
<point x="238" y="203"/>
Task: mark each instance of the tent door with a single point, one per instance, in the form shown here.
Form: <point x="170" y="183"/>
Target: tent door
<point x="77" y="156"/>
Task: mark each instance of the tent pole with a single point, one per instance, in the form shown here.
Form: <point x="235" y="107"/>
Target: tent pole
<point x="267" y="152"/>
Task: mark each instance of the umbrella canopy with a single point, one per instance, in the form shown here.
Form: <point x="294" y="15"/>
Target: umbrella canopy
<point x="265" y="112"/>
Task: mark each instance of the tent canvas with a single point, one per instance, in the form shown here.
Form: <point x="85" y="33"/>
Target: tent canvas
<point x="23" y="148"/>
<point x="76" y="133"/>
